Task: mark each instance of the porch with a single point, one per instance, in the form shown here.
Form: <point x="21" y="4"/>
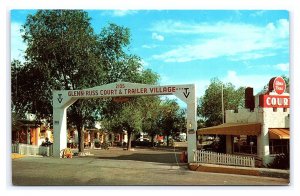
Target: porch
<point x="32" y="150"/>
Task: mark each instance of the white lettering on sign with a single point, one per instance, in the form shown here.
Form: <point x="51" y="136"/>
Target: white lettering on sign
<point x="278" y="85"/>
<point x="286" y="101"/>
<point x="274" y="101"/>
<point x="277" y="101"/>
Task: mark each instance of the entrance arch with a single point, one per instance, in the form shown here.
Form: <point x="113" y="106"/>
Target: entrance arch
<point x="65" y="98"/>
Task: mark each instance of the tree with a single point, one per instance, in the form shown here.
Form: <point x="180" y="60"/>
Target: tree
<point x="181" y="121"/>
<point x="287" y="81"/>
<point x="210" y="108"/>
<point x="64" y="53"/>
<point x="151" y="116"/>
<point x="169" y="119"/>
<point x="130" y="115"/>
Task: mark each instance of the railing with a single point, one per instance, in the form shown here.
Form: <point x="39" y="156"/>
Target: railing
<point x="26" y="149"/>
<point x="223" y="159"/>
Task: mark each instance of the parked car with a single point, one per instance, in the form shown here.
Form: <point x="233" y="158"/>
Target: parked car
<point x="46" y="143"/>
<point x="210" y="138"/>
<point x="141" y="142"/>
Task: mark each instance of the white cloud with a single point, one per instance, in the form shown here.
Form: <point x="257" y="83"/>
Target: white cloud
<point x="120" y="13"/>
<point x="213" y="48"/>
<point x="165" y="80"/>
<point x="158" y="37"/>
<point x="235" y="41"/>
<point x="258" y="13"/>
<point x="151" y="46"/>
<point x="283" y="66"/>
<point x="283" y="28"/>
<point x="18" y="47"/>
<point x="252" y="55"/>
<point x="178" y="27"/>
<point x="144" y="63"/>
<point x="201" y="85"/>
<point x="257" y="82"/>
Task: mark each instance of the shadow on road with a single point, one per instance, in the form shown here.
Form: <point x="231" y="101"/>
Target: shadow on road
<point x="158" y="158"/>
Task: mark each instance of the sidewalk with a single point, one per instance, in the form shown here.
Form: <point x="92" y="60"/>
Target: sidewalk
<point x="266" y="172"/>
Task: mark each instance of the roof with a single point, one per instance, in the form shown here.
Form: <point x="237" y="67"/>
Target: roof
<point x="279" y="133"/>
<point x="19" y="124"/>
<point x="232" y="129"/>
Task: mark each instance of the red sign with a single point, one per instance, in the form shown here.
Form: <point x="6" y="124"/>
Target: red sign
<point x="277" y="84"/>
<point x="274" y="101"/>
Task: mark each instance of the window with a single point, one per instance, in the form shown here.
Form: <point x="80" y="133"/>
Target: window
<point x="279" y="146"/>
<point x="284" y="109"/>
<point x="274" y="109"/>
<point x="246" y="144"/>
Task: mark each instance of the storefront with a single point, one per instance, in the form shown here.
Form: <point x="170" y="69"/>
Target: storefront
<point x="31" y="132"/>
<point x="262" y="128"/>
<point x="94" y="137"/>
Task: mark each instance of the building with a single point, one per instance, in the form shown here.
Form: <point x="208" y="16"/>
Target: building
<point x="30" y="131"/>
<point x="33" y="132"/>
<point x="95" y="135"/>
<point x="262" y="128"/>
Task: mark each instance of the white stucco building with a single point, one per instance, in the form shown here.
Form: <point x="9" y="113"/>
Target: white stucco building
<point x="261" y="129"/>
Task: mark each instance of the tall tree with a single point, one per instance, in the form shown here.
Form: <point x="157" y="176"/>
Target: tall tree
<point x="129" y="118"/>
<point x="210" y="108"/>
<point x="151" y="113"/>
<point x="64" y="53"/>
<point x="170" y="118"/>
<point x="132" y="114"/>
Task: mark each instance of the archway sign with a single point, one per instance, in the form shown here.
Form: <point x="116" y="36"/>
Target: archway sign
<point x="64" y="98"/>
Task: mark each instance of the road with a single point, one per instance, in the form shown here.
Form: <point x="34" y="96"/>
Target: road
<point x="119" y="167"/>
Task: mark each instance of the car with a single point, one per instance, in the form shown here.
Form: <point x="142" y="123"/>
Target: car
<point x="141" y="142"/>
<point x="209" y="138"/>
<point x="142" y="139"/>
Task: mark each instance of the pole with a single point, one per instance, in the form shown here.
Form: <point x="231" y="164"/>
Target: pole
<point x="222" y="106"/>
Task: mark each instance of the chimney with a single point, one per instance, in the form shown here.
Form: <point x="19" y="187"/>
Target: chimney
<point x="271" y="86"/>
<point x="249" y="98"/>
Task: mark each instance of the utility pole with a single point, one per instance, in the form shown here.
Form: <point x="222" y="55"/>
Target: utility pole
<point x="222" y="106"/>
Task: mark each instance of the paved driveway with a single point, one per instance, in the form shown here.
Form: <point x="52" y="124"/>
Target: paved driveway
<point x="118" y="167"/>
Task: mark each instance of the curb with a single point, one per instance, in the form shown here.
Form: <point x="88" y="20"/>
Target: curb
<point x="263" y="172"/>
<point x="16" y="156"/>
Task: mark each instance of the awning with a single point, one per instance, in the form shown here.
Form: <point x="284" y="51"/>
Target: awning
<point x="279" y="133"/>
<point x="232" y="129"/>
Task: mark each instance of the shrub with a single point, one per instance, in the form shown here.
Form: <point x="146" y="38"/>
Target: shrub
<point x="281" y="161"/>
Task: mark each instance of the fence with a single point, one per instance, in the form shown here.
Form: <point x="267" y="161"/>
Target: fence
<point x="26" y="149"/>
<point x="223" y="159"/>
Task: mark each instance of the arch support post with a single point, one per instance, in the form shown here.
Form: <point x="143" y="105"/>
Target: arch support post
<point x="191" y="130"/>
<point x="59" y="130"/>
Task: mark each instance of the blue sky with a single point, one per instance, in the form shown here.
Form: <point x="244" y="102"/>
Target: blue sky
<point x="245" y="48"/>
